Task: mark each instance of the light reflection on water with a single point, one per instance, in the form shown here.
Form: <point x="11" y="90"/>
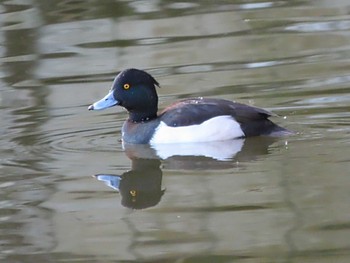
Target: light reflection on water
<point x="256" y="200"/>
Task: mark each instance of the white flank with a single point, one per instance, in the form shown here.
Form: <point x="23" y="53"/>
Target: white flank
<point x="220" y="128"/>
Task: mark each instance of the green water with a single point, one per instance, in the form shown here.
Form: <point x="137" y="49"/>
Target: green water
<point x="253" y="200"/>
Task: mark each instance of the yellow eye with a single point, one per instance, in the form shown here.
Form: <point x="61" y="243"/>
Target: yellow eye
<point x="126" y="86"/>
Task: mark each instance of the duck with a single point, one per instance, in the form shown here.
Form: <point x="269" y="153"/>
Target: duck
<point x="188" y="120"/>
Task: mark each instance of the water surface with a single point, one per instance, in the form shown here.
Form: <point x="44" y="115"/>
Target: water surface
<point x="71" y="192"/>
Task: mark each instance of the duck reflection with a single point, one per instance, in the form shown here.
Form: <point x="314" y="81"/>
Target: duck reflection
<point x="141" y="187"/>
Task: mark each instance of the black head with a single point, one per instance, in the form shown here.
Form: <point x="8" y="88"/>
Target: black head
<point x="134" y="90"/>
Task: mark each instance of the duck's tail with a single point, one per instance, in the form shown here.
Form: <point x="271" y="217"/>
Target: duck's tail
<point x="278" y="131"/>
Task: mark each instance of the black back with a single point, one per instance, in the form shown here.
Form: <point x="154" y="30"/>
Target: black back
<point x="253" y="121"/>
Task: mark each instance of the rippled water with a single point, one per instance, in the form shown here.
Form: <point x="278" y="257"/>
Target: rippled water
<point x="71" y="192"/>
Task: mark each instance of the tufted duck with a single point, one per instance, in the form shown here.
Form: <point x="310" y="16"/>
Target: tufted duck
<point x="188" y="120"/>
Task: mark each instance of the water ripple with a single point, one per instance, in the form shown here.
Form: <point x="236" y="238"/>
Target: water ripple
<point x="80" y="140"/>
<point x="341" y="25"/>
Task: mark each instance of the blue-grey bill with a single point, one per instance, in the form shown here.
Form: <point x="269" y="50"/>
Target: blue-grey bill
<point x="110" y="180"/>
<point x="104" y="103"/>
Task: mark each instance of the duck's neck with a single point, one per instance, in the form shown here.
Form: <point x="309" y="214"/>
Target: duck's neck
<point x="137" y="117"/>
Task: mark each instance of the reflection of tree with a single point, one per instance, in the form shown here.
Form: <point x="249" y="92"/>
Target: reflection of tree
<point x="288" y="194"/>
<point x="68" y="10"/>
<point x="28" y="111"/>
<point x="21" y="45"/>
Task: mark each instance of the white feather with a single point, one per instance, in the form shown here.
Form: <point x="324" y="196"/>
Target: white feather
<point x="220" y="128"/>
<point x="219" y="150"/>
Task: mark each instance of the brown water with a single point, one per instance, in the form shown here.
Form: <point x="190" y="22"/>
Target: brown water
<point x="254" y="200"/>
